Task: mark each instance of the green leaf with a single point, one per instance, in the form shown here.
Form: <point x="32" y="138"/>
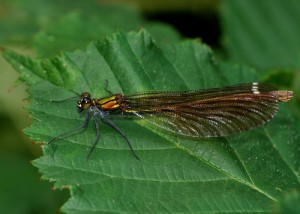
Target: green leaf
<point x="262" y="33"/>
<point x="249" y="172"/>
<point x="75" y="30"/>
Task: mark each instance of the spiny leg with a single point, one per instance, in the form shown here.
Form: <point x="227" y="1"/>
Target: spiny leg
<point x="83" y="126"/>
<point x="111" y="124"/>
<point x="97" y="136"/>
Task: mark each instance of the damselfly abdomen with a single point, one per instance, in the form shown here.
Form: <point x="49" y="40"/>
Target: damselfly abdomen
<point x="205" y="113"/>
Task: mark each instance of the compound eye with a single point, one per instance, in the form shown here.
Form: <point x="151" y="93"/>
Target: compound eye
<point x="86" y="100"/>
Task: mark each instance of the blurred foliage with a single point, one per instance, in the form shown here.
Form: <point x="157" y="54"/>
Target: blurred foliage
<point x="262" y="34"/>
<point x="22" y="190"/>
<point x="289" y="204"/>
<point x="155" y="6"/>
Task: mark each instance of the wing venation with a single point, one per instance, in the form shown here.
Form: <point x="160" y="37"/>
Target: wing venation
<point x="207" y="113"/>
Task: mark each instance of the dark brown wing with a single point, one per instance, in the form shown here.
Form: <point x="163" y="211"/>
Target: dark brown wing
<point x="207" y="113"/>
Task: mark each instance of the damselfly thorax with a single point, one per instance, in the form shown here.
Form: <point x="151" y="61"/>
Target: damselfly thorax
<point x="205" y="113"/>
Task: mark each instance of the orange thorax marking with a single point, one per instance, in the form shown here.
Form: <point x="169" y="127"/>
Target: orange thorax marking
<point x="109" y="103"/>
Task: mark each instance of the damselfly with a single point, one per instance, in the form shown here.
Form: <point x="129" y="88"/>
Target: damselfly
<point x="205" y="113"/>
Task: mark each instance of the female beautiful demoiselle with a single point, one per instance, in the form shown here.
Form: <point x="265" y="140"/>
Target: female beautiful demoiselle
<point x="205" y="113"/>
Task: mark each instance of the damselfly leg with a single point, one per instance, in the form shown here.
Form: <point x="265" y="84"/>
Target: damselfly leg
<point x="64" y="100"/>
<point x="83" y="126"/>
<point x="97" y="136"/>
<point x="106" y="87"/>
<point x="111" y="124"/>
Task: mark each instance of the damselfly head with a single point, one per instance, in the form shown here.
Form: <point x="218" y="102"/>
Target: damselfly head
<point x="85" y="101"/>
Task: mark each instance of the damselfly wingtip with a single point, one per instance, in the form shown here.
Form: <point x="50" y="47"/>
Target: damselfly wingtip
<point x="284" y="95"/>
